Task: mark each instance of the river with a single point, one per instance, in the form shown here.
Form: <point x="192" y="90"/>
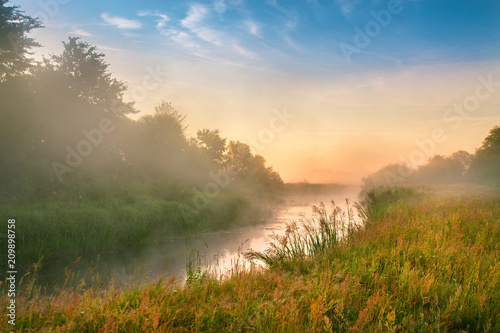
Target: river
<point x="220" y="251"/>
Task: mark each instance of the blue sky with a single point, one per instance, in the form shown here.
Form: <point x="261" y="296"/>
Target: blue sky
<point x="229" y="63"/>
<point x="267" y="32"/>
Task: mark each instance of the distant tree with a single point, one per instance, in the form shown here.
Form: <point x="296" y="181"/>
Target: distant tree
<point x="160" y="142"/>
<point x="238" y="157"/>
<point x="444" y="169"/>
<point x="250" y="168"/>
<point x="83" y="71"/>
<point x="212" y="143"/>
<point x="463" y="158"/>
<point x="265" y="176"/>
<point x="165" y="128"/>
<point x="390" y="175"/>
<point x="486" y="163"/>
<point x="14" y="43"/>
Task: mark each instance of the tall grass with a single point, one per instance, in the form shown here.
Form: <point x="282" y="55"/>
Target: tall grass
<point x="427" y="262"/>
<point x="309" y="237"/>
<point x="110" y="218"/>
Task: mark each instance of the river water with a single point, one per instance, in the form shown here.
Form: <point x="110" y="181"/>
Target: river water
<point x="219" y="251"/>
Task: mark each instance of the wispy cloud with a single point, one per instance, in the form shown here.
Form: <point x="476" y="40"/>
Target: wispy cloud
<point x="347" y="6"/>
<point x="110" y="48"/>
<point x="194" y="23"/>
<point x="242" y="51"/>
<point x="252" y="27"/>
<point x="197" y="28"/>
<point x="161" y="22"/>
<point x="221" y="6"/>
<point x="290" y="20"/>
<point x="80" y="32"/>
<point x="120" y="22"/>
<point x="183" y="38"/>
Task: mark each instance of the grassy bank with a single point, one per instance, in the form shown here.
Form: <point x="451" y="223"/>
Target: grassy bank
<point x="427" y="260"/>
<point x="110" y="216"/>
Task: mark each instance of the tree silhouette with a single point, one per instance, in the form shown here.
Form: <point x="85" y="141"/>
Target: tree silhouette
<point x="14" y="44"/>
<point x="444" y="169"/>
<point x="83" y="71"/>
<point x="486" y="164"/>
<point x="212" y="143"/>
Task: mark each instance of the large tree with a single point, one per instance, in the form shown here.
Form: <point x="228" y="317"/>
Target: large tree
<point x="83" y="71"/>
<point x="14" y="43"/>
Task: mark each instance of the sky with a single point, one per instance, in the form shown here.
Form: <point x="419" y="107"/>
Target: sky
<point x="326" y="91"/>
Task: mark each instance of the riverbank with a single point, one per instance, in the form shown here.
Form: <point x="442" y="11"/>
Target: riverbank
<point x="428" y="259"/>
<point x="215" y="249"/>
<point x="75" y="220"/>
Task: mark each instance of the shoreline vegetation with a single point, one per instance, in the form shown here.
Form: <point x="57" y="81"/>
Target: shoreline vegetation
<point x="427" y="258"/>
<point x="110" y="217"/>
<point x="114" y="216"/>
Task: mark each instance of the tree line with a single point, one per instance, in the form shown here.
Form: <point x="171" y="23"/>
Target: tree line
<point x="482" y="167"/>
<point x="64" y="120"/>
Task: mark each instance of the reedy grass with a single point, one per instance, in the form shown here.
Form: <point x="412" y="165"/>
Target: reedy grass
<point x="110" y="218"/>
<point x="428" y="262"/>
<point x="309" y="237"/>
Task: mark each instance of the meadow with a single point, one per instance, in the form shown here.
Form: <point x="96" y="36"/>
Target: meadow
<point x="426" y="259"/>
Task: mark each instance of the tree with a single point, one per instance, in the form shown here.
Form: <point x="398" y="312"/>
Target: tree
<point x="83" y="71"/>
<point x="250" y="168"/>
<point x="444" y="169"/>
<point x="14" y="44"/>
<point x="238" y="157"/>
<point x="390" y="175"/>
<point x="463" y="158"/>
<point x="486" y="163"/>
<point x="165" y="129"/>
<point x="491" y="144"/>
<point x="212" y="144"/>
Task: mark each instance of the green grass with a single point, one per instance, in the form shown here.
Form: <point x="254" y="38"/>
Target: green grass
<point x="427" y="261"/>
<point x="105" y="217"/>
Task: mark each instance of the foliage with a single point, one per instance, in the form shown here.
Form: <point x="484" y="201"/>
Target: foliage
<point x="14" y="42"/>
<point x="486" y="164"/>
<point x="444" y="169"/>
<point x="212" y="144"/>
<point x="391" y="175"/>
<point x="250" y="168"/>
<point x="83" y="71"/>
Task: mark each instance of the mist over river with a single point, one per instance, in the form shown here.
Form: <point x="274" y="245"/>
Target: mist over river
<point x="219" y="250"/>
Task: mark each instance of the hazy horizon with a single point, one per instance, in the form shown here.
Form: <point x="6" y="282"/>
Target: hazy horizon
<point x="237" y="65"/>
